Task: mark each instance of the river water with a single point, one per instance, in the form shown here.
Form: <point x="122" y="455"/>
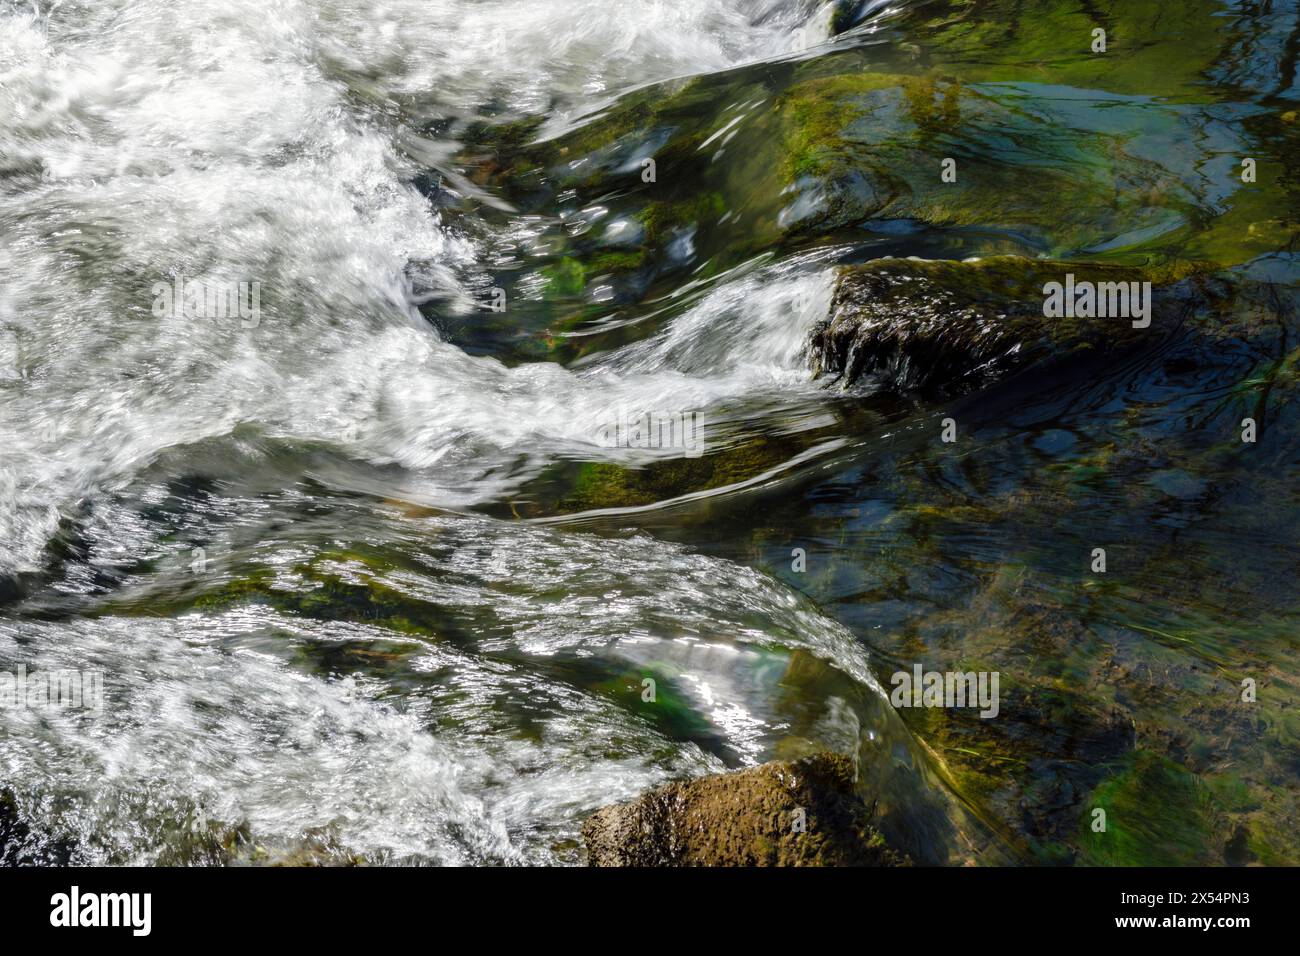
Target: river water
<point x="364" y="584"/>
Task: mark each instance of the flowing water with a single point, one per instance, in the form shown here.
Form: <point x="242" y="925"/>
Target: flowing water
<point x="365" y="584"/>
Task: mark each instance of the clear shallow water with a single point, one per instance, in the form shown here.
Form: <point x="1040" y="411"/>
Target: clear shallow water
<point x="362" y="581"/>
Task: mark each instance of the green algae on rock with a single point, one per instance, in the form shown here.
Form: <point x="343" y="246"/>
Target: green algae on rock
<point x="1058" y="151"/>
<point x="803" y="813"/>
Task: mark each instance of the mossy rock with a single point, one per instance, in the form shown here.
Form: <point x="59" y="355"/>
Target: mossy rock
<point x="601" y="484"/>
<point x="1149" y="50"/>
<point x="746" y="818"/>
<point x="1060" y="151"/>
<point x="870" y="146"/>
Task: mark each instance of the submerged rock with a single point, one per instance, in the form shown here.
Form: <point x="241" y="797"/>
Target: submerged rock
<point x="800" y="813"/>
<point x="947" y="328"/>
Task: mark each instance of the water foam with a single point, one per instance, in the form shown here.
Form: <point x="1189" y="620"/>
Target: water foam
<point x="243" y="141"/>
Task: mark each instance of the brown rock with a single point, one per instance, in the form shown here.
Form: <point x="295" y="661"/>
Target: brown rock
<point x="746" y="818"/>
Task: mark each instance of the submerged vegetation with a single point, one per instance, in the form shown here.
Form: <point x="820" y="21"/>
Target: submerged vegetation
<point x="1055" y="150"/>
<point x="372" y="583"/>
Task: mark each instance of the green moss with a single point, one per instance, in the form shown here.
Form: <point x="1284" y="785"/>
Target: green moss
<point x="1255" y="223"/>
<point x="616" y="261"/>
<point x="1232" y="792"/>
<point x="609" y="485"/>
<point x="661" y="219"/>
<point x="255" y="586"/>
<point x="638" y="112"/>
<point x="505" y="155"/>
<point x="816" y="113"/>
<point x="568" y="278"/>
<point x="932" y="107"/>
<point x="333" y="585"/>
<point x="1149" y="52"/>
<point x="1157" y="814"/>
<point x="510" y="135"/>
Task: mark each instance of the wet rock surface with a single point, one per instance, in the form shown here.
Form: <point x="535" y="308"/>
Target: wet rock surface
<point x="748" y="818"/>
<point x="945" y="328"/>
